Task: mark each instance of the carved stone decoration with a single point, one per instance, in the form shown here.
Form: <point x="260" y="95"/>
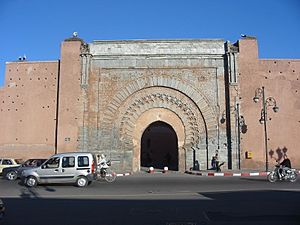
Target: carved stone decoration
<point x="85" y="48"/>
<point x="140" y="103"/>
<point x="195" y="96"/>
<point x="85" y="62"/>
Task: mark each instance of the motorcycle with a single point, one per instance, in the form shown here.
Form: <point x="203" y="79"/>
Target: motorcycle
<point x="104" y="172"/>
<point x="288" y="174"/>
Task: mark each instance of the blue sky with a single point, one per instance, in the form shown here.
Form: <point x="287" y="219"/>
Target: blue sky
<point x="37" y="27"/>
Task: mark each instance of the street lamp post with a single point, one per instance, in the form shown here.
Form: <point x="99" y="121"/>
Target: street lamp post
<point x="241" y="127"/>
<point x="241" y="124"/>
<point x="270" y="101"/>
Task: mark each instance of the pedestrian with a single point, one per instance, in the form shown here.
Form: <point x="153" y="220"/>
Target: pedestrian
<point x="213" y="163"/>
<point x="217" y="162"/>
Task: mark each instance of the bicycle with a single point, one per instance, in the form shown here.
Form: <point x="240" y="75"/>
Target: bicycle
<point x="104" y="172"/>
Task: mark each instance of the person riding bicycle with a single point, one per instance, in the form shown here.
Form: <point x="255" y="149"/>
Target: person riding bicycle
<point x="284" y="166"/>
<point x="102" y="162"/>
<point x="103" y="170"/>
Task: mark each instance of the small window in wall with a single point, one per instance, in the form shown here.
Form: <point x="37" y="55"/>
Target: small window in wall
<point x="67" y="139"/>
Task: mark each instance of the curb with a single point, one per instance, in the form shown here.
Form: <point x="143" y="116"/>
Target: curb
<point x="228" y="174"/>
<point x="211" y="174"/>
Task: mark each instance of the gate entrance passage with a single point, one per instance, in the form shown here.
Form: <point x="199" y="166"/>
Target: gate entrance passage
<point x="159" y="146"/>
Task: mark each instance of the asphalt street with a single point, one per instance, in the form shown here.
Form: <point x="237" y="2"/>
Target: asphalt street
<point x="167" y="199"/>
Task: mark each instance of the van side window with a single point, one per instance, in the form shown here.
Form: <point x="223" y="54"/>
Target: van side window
<point x="68" y="162"/>
<point x="83" y="161"/>
<point x="52" y="163"/>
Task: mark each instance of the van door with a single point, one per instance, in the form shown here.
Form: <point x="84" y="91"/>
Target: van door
<point x="68" y="170"/>
<point x="84" y="163"/>
<point x="50" y="172"/>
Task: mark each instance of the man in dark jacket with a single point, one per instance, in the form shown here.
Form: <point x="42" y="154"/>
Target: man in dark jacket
<point x="284" y="166"/>
<point x="286" y="162"/>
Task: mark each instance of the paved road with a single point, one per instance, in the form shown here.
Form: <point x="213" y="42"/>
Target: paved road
<point x="167" y="199"/>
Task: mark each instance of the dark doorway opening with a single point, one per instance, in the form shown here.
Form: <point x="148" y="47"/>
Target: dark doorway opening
<point x="159" y="146"/>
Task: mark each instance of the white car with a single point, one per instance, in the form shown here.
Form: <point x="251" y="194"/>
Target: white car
<point x="7" y="162"/>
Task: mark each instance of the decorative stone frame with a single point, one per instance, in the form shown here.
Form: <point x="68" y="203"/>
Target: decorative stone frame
<point x="167" y="99"/>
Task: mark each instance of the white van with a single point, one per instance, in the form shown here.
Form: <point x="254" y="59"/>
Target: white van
<point x="72" y="167"/>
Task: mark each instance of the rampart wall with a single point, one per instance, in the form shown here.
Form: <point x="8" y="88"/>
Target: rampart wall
<point x="28" y="109"/>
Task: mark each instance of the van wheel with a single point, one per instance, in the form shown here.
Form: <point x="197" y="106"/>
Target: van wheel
<point x="31" y="181"/>
<point x="82" y="182"/>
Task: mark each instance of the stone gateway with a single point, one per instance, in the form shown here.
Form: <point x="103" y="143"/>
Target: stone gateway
<point x="147" y="103"/>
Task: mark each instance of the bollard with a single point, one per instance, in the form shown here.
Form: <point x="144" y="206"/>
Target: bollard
<point x="165" y="169"/>
<point x="151" y="170"/>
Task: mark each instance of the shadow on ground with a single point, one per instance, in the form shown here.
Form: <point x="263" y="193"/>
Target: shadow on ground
<point x="244" y="207"/>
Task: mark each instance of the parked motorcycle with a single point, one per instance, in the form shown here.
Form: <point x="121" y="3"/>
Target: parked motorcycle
<point x="104" y="172"/>
<point x="289" y="174"/>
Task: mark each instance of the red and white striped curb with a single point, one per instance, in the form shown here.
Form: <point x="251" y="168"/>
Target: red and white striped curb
<point x="211" y="174"/>
<point x="229" y="174"/>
